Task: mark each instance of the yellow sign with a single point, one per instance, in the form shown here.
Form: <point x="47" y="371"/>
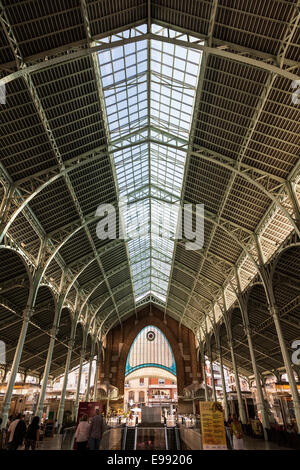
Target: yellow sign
<point x="212" y="426"/>
<point x="284" y="387"/>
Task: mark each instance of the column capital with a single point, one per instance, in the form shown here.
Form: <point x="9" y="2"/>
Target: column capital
<point x="91" y="358"/>
<point x="248" y="329"/>
<point x="273" y="309"/>
<point x="27" y="313"/>
<point x="54" y="330"/>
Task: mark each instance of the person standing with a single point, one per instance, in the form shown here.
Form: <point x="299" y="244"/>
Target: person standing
<point x="96" y="431"/>
<point x="16" y="433"/>
<point x="228" y="435"/>
<point x="237" y="433"/>
<point x="32" y="434"/>
<point x="82" y="433"/>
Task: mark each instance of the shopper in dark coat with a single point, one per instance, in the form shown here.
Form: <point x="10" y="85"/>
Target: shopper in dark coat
<point x="17" y="433"/>
<point x="96" y="431"/>
<point x="32" y="434"/>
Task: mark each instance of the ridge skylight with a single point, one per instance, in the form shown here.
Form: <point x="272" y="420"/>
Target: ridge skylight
<point x="149" y="88"/>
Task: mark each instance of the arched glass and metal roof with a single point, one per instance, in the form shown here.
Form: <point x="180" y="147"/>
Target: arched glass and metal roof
<point x="99" y="107"/>
<point x="149" y="91"/>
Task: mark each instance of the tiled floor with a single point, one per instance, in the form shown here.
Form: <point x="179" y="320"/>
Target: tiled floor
<point x="51" y="443"/>
<point x="54" y="443"/>
<point x="258" y="444"/>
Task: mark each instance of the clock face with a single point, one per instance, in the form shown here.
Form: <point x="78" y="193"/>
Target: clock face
<point x="150" y="335"/>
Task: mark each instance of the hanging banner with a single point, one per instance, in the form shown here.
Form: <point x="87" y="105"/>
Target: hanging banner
<point x="212" y="426"/>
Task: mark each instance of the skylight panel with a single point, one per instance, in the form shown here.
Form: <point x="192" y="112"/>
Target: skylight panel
<point x="149" y="104"/>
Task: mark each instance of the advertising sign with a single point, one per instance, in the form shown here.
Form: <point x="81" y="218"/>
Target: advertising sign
<point x="212" y="426"/>
<point x="88" y="408"/>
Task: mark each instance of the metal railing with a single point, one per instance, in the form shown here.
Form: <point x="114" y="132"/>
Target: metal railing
<point x="113" y="438"/>
<point x="124" y="437"/>
<point x="166" y="437"/>
<point x="177" y="438"/>
<point x="67" y="441"/>
<point x="2" y="439"/>
<point x="135" y="436"/>
<point x="190" y="422"/>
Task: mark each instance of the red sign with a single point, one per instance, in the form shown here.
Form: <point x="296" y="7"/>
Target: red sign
<point x="88" y="408"/>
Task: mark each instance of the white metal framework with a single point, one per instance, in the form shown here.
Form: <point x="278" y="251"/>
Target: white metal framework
<point x="149" y="90"/>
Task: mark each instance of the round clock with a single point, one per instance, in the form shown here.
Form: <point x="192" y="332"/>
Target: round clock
<point x="150" y="335"/>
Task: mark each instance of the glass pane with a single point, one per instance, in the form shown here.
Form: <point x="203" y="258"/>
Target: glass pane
<point x="150" y="439"/>
<point x="149" y="89"/>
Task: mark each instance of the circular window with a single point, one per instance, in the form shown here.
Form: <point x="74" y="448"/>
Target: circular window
<point x="150" y="335"/>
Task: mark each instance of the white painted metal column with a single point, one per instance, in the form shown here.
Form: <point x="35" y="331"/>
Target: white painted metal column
<point x="205" y="380"/>
<point x="243" y="303"/>
<point x="242" y="411"/>
<point x="88" y="385"/>
<point x="82" y="355"/>
<point x="212" y="377"/>
<point x="287" y="364"/>
<point x="260" y="402"/>
<point x="61" y="407"/>
<point x="226" y="408"/>
<point x="40" y="405"/>
<point x="98" y="362"/>
<point x="54" y="330"/>
<point x="15" y="366"/>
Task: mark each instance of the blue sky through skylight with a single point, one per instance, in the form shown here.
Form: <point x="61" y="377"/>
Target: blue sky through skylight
<point x="149" y="173"/>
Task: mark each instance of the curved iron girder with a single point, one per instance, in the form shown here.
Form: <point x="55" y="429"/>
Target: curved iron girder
<point x="19" y="59"/>
<point x="174" y="311"/>
<point x="95" y="283"/>
<point x="122" y="301"/>
<point x="61" y="236"/>
<point x="226" y="165"/>
<point x="286" y="246"/>
<point x="78" y="226"/>
<point x="185" y="290"/>
<point x="228" y="223"/>
<point x="213" y="50"/>
<point x="24" y="190"/>
<point x="104" y="298"/>
<point x="182" y="305"/>
<point x="47" y="260"/>
<point x="75" y="269"/>
<point x="117" y="289"/>
<point x="255" y="179"/>
<point x="8" y="30"/>
<point x="247" y="138"/>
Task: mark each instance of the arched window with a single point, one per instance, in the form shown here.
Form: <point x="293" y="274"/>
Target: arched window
<point x="141" y="397"/>
<point x="150" y="349"/>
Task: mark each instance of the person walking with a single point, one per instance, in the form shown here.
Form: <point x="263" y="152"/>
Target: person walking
<point x="228" y="435"/>
<point x="16" y="433"/>
<point x="96" y="431"/>
<point x="33" y="434"/>
<point x="82" y="433"/>
<point x="236" y="427"/>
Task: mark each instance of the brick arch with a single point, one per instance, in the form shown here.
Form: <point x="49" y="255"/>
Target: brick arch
<point x="173" y="344"/>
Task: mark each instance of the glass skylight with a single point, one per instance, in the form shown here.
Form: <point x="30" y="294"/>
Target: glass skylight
<point x="149" y="89"/>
